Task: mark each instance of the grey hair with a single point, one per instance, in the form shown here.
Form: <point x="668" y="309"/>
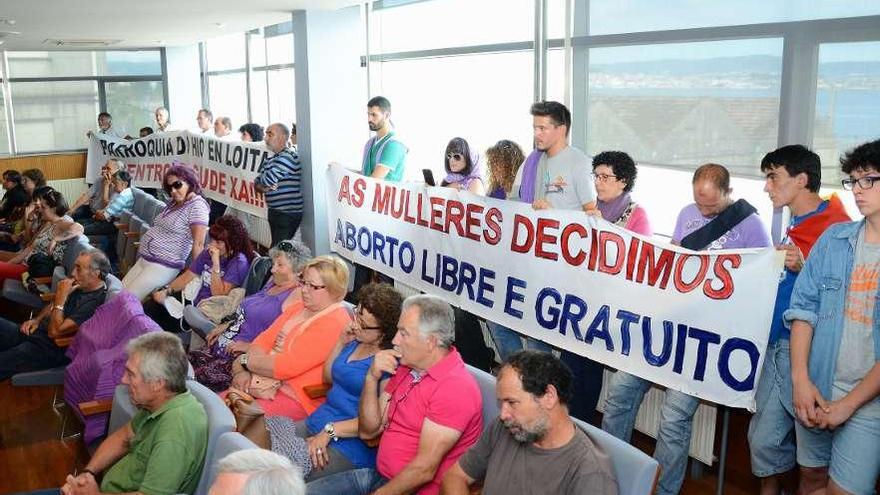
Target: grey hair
<point x="97" y="261"/>
<point x="270" y="473"/>
<point x="298" y="256"/>
<point x="436" y="317"/>
<point x="161" y="358"/>
<point x="282" y="128"/>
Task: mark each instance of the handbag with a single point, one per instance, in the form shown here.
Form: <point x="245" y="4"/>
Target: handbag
<point x="40" y="265"/>
<point x="217" y="308"/>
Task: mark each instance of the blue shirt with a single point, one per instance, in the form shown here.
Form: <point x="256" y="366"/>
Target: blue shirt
<point x="122" y="201"/>
<point x="342" y="403"/>
<point x="819" y="299"/>
<point x="280" y="175"/>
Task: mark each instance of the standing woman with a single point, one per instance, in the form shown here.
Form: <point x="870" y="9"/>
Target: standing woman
<point x="504" y="160"/>
<point x="615" y="175"/>
<point x="178" y="233"/>
<point x="462" y="166"/>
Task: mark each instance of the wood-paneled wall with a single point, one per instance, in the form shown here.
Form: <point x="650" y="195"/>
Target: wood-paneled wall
<point x="56" y="166"/>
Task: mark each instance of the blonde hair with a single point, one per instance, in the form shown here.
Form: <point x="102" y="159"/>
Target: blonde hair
<point x="333" y="272"/>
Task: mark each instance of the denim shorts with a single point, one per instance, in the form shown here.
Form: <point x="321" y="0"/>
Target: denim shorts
<point x="771" y="430"/>
<point x="851" y="452"/>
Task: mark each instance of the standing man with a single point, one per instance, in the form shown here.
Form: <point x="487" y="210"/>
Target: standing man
<point x="533" y="446"/>
<point x="793" y="176"/>
<point x="279" y="180"/>
<point x="163" y="120"/>
<point x="105" y="127"/>
<point x="384" y="155"/>
<point x="557" y="176"/>
<point x="98" y="195"/>
<point x="205" y="121"/>
<point x="713" y="221"/>
<point x="223" y="129"/>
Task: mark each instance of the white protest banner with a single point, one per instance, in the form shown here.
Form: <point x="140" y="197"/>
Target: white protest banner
<point x="697" y="322"/>
<point x="225" y="169"/>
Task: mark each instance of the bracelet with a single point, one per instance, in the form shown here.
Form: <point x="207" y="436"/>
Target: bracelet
<point x="87" y="470"/>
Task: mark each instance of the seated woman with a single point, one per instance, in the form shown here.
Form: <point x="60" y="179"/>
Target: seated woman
<point x="504" y="159"/>
<point x="47" y="249"/>
<point x="462" y="166"/>
<point x="291" y="353"/>
<point x="219" y="269"/>
<point x="213" y="364"/>
<point x="28" y="222"/>
<point x="327" y="441"/>
<point x="178" y="233"/>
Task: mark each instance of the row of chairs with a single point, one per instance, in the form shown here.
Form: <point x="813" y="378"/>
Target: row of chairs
<point x="132" y="224"/>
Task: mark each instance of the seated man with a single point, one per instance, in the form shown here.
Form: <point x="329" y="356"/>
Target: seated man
<point x="428" y="415"/>
<point x="162" y="449"/>
<point x="542" y="450"/>
<point x="31" y="345"/>
<point x="98" y="195"/>
<point x="102" y="221"/>
<point x="257" y="472"/>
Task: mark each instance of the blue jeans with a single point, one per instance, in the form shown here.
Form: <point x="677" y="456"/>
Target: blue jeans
<point x="771" y="430"/>
<point x="361" y="481"/>
<point x="674" y="435"/>
<point x="507" y="341"/>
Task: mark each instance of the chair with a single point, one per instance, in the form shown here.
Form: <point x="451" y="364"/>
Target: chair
<point x="220" y="422"/>
<point x="15" y="291"/>
<point x="636" y="472"/>
<point x="486" y="383"/>
<point x="227" y="444"/>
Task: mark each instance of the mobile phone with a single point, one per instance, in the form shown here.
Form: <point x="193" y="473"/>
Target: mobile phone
<point x="429" y="177"/>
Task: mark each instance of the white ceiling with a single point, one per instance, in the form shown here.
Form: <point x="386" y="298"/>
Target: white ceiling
<point x="141" y="23"/>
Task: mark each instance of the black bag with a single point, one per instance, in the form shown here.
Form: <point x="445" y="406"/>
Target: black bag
<point x="40" y="265"/>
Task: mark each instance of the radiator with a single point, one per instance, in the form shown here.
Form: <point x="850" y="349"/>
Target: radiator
<point x="70" y="188"/>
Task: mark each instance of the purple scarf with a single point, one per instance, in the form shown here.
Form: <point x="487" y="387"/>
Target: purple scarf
<point x="465" y="180"/>
<point x="612" y="210"/>
<point x="529" y="176"/>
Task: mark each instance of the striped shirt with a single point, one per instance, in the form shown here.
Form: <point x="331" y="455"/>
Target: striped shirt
<point x="122" y="201"/>
<point x="169" y="241"/>
<point x="280" y="175"/>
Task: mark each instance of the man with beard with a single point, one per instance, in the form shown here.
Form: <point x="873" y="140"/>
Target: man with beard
<point x="534" y="447"/>
<point x="384" y="155"/>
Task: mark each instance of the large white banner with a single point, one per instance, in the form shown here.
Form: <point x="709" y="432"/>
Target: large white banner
<point x="697" y="322"/>
<point x="225" y="169"/>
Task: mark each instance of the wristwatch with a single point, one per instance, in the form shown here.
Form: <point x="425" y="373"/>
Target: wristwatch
<point x="331" y="431"/>
<point x="243" y="360"/>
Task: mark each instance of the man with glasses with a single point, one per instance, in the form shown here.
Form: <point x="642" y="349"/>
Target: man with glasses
<point x="428" y="415"/>
<point x="793" y="176"/>
<point x="205" y="121"/>
<point x="835" y="345"/>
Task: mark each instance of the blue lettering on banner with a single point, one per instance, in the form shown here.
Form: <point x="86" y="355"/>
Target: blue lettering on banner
<point x="511" y="296"/>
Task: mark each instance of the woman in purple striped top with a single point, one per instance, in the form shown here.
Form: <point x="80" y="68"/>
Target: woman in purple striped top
<point x="177" y="233"/>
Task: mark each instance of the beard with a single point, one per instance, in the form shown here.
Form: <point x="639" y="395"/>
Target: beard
<point x="375" y="127"/>
<point x="528" y="434"/>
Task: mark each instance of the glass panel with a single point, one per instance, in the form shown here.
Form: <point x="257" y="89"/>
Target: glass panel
<point x="228" y="97"/>
<point x="683" y="105"/>
<point x="279" y="49"/>
<point x="85" y="64"/>
<point x="53" y="115"/>
<point x="4" y="134"/>
<point x="614" y="16"/>
<point x="226" y="52"/>
<point x="847" y="102"/>
<point x="451" y="23"/>
<point x="556" y="75"/>
<point x="282" y="96"/>
<point x="132" y="104"/>
<point x="258" y="49"/>
<point x="484" y="98"/>
<point x="259" y="97"/>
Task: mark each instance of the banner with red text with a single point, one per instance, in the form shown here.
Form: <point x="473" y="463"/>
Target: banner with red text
<point x="697" y="322"/>
<point x="226" y="169"/>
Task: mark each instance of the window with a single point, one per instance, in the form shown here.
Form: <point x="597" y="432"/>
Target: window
<point x="53" y="115"/>
<point x="847" y="102"/>
<point x="4" y="130"/>
<point x="226" y="52"/>
<point x="132" y="104"/>
<point x="228" y="96"/>
<point x="84" y="64"/>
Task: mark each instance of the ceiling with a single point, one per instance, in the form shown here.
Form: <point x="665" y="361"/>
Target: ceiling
<point x="143" y="23"/>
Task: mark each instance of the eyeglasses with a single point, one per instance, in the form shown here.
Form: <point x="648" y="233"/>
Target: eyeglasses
<point x="359" y="320"/>
<point x="604" y="177"/>
<point x="454" y="156"/>
<point x="174" y="185"/>
<point x="863" y="182"/>
<point x="305" y="283"/>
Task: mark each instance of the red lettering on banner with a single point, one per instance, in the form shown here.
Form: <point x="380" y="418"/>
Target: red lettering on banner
<point x="472" y="221"/>
<point x="492" y="232"/>
<point x="522" y="222"/>
<point x="604" y="266"/>
<point x="454" y="214"/>
<point x="567" y="232"/>
<point x="383" y="198"/>
<point x="343" y="195"/>
<point x="680" y="284"/>
<point x="663" y="267"/>
<point x="542" y="238"/>
<point x="436" y="213"/>
<point x="722" y="274"/>
<point x="360" y="185"/>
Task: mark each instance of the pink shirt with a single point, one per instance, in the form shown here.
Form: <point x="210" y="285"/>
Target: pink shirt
<point x="638" y="222"/>
<point x="448" y="395"/>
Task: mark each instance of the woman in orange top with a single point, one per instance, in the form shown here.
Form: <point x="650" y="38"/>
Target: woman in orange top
<point x="291" y="353"/>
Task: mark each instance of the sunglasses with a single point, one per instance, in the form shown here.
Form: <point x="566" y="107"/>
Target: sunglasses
<point x="174" y="185"/>
<point x="454" y="156"/>
<point x="285" y="246"/>
<point x="305" y="283"/>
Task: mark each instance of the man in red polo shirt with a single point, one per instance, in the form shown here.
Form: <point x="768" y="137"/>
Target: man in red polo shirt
<point x="429" y="414"/>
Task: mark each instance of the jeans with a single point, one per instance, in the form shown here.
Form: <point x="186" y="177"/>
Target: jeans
<point x="20" y="353"/>
<point x="507" y="341"/>
<point x="771" y="430"/>
<point x="361" y="481"/>
<point x="84" y="212"/>
<point x="676" y="420"/>
<point x="586" y="386"/>
<point x="282" y="225"/>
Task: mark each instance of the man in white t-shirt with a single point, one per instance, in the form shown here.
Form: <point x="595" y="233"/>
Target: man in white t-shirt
<point x="205" y="121"/>
<point x="223" y="129"/>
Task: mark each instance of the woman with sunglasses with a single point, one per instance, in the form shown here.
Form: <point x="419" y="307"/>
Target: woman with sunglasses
<point x="463" y="171"/>
<point x="221" y="267"/>
<point x="290" y="354"/>
<point x="213" y="364"/>
<point x="327" y="441"/>
<point x="177" y="233"/>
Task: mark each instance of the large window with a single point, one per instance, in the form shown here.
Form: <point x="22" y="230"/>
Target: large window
<point x="134" y="103"/>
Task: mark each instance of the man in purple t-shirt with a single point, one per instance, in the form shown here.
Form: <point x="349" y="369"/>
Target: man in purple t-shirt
<point x="713" y="221"/>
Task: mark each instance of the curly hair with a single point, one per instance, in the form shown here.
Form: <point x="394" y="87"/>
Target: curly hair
<point x="622" y="166"/>
<point x="184" y="173"/>
<point x="537" y="370"/>
<point x="232" y="232"/>
<point x="384" y="302"/>
<point x="504" y="160"/>
<point x="866" y="156"/>
<point x="255" y="131"/>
